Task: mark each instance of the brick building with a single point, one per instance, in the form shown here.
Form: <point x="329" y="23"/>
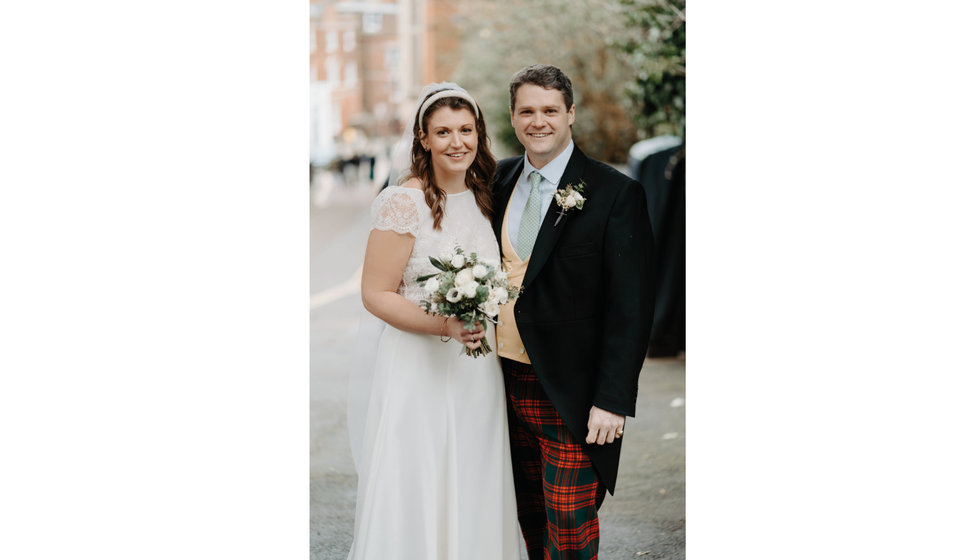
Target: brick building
<point x="368" y="61"/>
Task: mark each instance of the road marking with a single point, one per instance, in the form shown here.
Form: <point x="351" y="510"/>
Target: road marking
<point x="677" y="402"/>
<point x="351" y="286"/>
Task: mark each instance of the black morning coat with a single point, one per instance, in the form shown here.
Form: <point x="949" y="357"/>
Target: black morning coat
<point x="587" y="307"/>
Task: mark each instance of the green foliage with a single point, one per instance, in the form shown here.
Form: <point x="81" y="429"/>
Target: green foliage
<point x="656" y="46"/>
<point x="499" y="37"/>
<point x="626" y="60"/>
<point x="436" y="262"/>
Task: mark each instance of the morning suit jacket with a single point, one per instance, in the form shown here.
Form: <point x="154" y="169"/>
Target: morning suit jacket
<point x="586" y="308"/>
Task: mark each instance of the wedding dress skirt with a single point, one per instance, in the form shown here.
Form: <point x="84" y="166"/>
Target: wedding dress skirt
<point x="429" y="424"/>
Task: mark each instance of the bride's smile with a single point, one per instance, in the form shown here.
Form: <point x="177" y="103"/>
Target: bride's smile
<point x="452" y="138"/>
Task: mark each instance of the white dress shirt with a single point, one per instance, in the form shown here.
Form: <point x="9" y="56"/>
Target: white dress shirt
<point x="550" y="176"/>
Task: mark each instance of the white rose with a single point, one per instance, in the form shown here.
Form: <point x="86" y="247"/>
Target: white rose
<point x="446" y="256"/>
<point x="464" y="277"/>
<point x="491" y="308"/>
<point x="431" y="285"/>
<point x="578" y="198"/>
<point x="499" y="295"/>
<point x="479" y="271"/>
<point x="469" y="290"/>
<point x="458" y="261"/>
<point x="453" y="295"/>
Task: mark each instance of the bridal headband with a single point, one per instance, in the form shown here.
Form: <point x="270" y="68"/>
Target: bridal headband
<point x="461" y="93"/>
<point x="401" y="153"/>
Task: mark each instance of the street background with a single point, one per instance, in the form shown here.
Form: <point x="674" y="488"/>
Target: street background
<point x="155" y="359"/>
<point x="626" y="60"/>
<point x="646" y="517"/>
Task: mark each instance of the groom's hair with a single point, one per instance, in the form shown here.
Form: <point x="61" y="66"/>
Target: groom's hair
<point x="544" y="75"/>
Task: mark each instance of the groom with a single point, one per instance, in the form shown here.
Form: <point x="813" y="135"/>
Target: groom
<point x="573" y="343"/>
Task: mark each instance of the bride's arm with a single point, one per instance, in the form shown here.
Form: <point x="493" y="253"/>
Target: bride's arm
<point x="386" y="257"/>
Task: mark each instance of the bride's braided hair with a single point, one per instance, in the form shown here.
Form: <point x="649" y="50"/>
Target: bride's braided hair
<point x="478" y="176"/>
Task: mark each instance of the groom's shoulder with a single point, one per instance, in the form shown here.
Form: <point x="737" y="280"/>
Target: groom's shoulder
<point x="508" y="164"/>
<point x="505" y="168"/>
<point x="607" y="174"/>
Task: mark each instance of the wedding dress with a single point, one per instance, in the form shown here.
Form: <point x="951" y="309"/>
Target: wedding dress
<point x="428" y="424"/>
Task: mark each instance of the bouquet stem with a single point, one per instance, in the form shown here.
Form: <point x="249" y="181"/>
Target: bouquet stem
<point x="483" y="349"/>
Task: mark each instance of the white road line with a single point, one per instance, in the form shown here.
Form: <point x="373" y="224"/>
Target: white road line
<point x="351" y="286"/>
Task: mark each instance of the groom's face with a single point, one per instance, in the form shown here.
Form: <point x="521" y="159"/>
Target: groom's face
<point x="541" y="122"/>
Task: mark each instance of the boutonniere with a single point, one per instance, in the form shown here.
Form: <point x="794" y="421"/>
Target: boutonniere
<point x="570" y="198"/>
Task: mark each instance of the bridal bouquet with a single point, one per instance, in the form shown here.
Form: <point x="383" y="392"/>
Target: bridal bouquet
<point x="467" y="288"/>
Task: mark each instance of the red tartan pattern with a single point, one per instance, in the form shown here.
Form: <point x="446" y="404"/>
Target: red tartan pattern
<point x="558" y="491"/>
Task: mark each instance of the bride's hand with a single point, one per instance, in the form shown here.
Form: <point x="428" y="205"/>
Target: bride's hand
<point x="469" y="339"/>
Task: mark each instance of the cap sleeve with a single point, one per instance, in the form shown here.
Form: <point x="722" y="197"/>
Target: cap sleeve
<point x="396" y="210"/>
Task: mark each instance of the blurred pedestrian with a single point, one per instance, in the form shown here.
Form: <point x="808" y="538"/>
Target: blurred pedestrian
<point x="428" y="424"/>
<point x="575" y="234"/>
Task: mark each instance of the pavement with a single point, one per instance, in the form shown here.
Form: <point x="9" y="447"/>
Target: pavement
<point x="646" y="517"/>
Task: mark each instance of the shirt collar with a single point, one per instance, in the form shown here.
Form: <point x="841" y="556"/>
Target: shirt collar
<point x="554" y="169"/>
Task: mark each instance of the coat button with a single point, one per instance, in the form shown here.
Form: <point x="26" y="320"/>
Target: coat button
<point x="521" y="351"/>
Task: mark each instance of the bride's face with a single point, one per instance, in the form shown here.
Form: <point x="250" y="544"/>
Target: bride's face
<point x="452" y="140"/>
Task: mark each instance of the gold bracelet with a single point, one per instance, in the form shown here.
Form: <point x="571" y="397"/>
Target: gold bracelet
<point x="442" y="331"/>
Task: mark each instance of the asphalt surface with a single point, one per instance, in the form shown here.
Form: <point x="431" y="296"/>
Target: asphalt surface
<point x="646" y="517"/>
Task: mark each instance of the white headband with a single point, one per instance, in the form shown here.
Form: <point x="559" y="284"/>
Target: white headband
<point x="447" y="93"/>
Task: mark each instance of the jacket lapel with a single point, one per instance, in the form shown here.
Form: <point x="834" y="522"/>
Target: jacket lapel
<point x="504" y="187"/>
<point x="549" y="233"/>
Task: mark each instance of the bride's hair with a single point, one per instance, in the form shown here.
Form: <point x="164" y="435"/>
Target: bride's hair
<point x="478" y="176"/>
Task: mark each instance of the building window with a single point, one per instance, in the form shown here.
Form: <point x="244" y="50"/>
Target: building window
<point x="350" y="74"/>
<point x="373" y="22"/>
<point x="312" y="40"/>
<point x="350" y="41"/>
<point x="332" y="42"/>
<point x="333" y="70"/>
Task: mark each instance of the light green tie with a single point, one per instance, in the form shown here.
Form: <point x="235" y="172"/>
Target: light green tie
<point x="530" y="220"/>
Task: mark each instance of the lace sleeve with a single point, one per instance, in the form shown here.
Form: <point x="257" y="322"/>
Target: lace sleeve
<point x="394" y="210"/>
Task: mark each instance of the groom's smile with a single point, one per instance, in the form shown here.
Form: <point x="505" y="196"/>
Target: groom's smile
<point x="542" y="123"/>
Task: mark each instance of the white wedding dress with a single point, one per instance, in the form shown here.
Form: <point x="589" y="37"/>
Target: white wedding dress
<point x="428" y="424"/>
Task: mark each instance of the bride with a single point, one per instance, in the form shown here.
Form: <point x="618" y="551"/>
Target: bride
<point x="428" y="424"/>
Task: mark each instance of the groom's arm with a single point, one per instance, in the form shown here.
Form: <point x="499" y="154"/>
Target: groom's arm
<point x="627" y="301"/>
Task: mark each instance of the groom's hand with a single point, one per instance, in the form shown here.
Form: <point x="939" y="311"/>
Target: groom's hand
<point x="604" y="426"/>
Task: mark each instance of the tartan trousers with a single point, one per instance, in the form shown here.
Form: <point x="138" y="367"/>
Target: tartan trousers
<point x="558" y="490"/>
